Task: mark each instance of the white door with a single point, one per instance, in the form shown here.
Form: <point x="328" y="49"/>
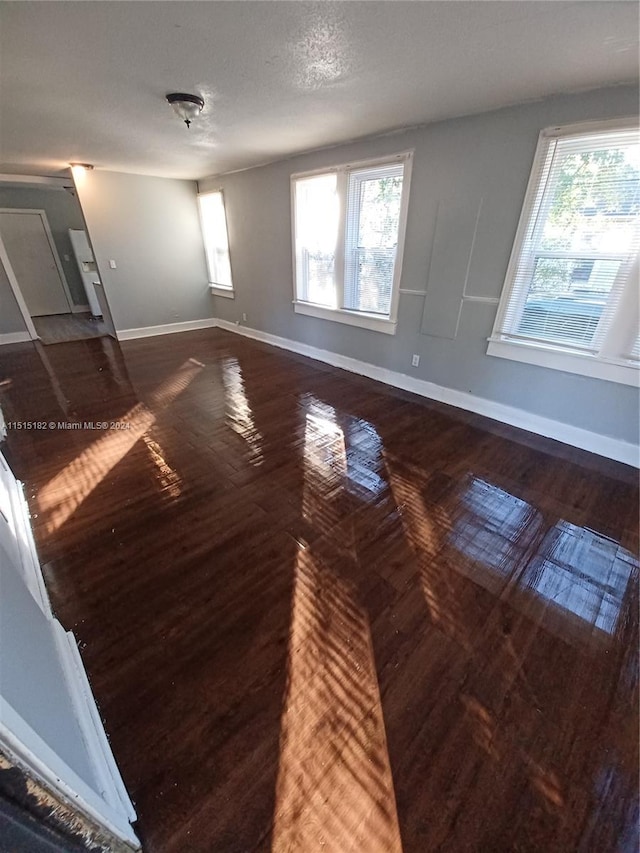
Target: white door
<point x="34" y="263"/>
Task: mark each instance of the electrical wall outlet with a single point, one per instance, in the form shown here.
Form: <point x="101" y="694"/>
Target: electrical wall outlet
<point x="415" y="360"/>
<point x="244" y="317"/>
<point x="113" y="264"/>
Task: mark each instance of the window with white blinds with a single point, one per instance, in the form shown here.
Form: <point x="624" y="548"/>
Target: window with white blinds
<point x="570" y="298"/>
<point x="349" y="225"/>
<point x="216" y="240"/>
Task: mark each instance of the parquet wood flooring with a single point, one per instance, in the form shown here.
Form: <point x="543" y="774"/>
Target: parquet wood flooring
<point x="319" y="614"/>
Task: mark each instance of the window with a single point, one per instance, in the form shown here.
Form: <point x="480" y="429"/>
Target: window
<point x="216" y="242"/>
<point x="570" y="299"/>
<point x="349" y="225"/>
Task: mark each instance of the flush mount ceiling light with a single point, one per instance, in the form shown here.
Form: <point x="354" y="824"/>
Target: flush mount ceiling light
<point x="79" y="172"/>
<point x="186" y="106"/>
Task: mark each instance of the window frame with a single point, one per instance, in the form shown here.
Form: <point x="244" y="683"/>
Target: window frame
<point x="215" y="287"/>
<point x="606" y="361"/>
<point x="352" y="317"/>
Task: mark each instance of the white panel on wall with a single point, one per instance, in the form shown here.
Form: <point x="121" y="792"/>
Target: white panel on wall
<point x="452" y="247"/>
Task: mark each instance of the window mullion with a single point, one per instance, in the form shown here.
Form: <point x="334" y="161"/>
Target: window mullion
<point x="342" y="192"/>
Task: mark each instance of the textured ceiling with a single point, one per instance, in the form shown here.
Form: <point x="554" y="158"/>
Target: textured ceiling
<point x="86" y="81"/>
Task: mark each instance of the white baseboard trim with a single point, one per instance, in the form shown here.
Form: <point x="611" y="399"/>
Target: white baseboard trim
<point x="168" y="329"/>
<point x="603" y="445"/>
<point x="14" y="337"/>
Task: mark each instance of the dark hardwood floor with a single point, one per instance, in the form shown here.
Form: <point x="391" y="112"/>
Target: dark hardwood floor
<point x="322" y="615"/>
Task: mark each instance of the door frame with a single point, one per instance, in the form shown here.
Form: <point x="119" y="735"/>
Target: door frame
<point x="108" y="804"/>
<point x="112" y="809"/>
<point x="29" y="211"/>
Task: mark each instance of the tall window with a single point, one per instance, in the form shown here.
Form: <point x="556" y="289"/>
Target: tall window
<point x="349" y="227"/>
<point x="570" y="298"/>
<point x="216" y="241"/>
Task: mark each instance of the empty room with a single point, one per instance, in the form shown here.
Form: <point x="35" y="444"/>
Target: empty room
<point x="319" y="426"/>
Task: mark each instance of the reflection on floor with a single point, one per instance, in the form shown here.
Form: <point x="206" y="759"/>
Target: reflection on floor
<point x="55" y="328"/>
<point x="319" y="614"/>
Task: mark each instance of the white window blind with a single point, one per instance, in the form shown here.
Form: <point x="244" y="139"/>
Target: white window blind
<point x="348" y="235"/>
<point x="216" y="241"/>
<point x="572" y="279"/>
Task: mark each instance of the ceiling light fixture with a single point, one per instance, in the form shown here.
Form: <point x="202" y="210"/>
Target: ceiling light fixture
<point x="79" y="172"/>
<point x="186" y="106"/>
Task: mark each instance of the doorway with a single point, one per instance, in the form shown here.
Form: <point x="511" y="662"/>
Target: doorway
<point x="48" y="260"/>
<point x="29" y="244"/>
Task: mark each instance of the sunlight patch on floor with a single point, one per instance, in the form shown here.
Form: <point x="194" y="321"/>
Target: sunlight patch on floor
<point x="239" y="414"/>
<point x="65" y="492"/>
<point x="334" y="790"/>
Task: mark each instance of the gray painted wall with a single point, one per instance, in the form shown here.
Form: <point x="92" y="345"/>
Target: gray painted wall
<point x="63" y="212"/>
<point x="151" y="228"/>
<point x="11" y="319"/>
<point x="458" y="165"/>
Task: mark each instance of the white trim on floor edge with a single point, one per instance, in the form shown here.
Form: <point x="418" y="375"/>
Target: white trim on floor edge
<point x="603" y="445"/>
<point x="95" y="738"/>
<point x="27" y="547"/>
<point x="167" y="329"/>
<point x="14" y="337"/>
<point x="22" y="743"/>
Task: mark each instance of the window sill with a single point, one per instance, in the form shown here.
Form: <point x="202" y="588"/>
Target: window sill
<point x="350" y="318"/>
<point x="584" y="364"/>
<point x="217" y="290"/>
